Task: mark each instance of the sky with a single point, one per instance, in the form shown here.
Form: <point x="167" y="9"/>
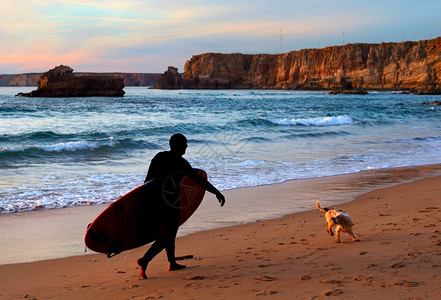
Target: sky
<point x="147" y="36"/>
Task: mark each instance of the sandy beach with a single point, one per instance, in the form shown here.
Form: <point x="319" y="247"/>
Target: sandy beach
<point x="398" y="255"/>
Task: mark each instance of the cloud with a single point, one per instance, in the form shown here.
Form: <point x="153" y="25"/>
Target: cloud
<point x="148" y="35"/>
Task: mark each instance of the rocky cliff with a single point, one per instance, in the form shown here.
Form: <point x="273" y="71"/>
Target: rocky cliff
<point x="139" y="79"/>
<point x="31" y="79"/>
<point x="61" y="82"/>
<point x="413" y="66"/>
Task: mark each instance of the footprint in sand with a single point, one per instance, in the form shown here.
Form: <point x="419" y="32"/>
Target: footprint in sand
<point x="332" y="292"/>
<point x="414" y="253"/>
<point x="305" y="277"/>
<point x="265" y="278"/>
<point x="363" y="278"/>
<point x="407" y="283"/>
<point x="195" y="278"/>
<point x="398" y="265"/>
<point x="333" y="281"/>
<point x="266" y="293"/>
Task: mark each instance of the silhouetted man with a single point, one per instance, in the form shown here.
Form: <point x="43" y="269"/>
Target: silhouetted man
<point x="168" y="168"/>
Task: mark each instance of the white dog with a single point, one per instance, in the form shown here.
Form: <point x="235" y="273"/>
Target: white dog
<point x="340" y="219"/>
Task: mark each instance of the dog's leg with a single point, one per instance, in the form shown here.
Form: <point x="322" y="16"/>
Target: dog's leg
<point x="329" y="229"/>
<point x="337" y="233"/>
<point x="351" y="234"/>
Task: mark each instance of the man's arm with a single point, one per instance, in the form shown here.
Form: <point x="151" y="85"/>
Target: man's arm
<point x="205" y="184"/>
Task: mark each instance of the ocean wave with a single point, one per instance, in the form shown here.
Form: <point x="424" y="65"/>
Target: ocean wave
<point x="315" y="134"/>
<point x="255" y="122"/>
<point x="375" y="123"/>
<point x="74" y="146"/>
<point x="51" y="137"/>
<point x="60" y="147"/>
<point x="257" y="139"/>
<point x="69" y="151"/>
<point x="53" y="152"/>
<point x="31" y="136"/>
<point x="320" y="121"/>
<point x="15" y="110"/>
<point x="428" y="138"/>
<point x="63" y="191"/>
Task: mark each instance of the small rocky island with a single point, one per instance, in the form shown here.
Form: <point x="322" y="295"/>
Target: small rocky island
<point x="61" y="82"/>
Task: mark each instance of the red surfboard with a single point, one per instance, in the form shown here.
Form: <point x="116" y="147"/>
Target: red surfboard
<point x="131" y="221"/>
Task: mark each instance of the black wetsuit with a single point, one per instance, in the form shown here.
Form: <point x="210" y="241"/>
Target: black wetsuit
<point x="167" y="169"/>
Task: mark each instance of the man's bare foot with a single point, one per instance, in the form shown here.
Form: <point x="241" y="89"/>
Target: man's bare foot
<point x="142" y="267"/>
<point x="175" y="266"/>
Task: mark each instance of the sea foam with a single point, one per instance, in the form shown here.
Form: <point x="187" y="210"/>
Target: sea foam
<point x="320" y="121"/>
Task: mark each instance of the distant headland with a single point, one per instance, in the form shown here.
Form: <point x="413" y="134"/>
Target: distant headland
<point x="31" y="79"/>
<point x="408" y="66"/>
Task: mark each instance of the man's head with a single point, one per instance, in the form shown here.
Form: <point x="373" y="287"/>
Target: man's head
<point x="178" y="143"/>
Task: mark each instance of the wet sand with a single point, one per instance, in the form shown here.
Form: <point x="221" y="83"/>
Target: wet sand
<point x="398" y="256"/>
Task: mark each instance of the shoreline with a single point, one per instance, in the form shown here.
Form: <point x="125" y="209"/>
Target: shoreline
<point x="398" y="256"/>
<point x="25" y="231"/>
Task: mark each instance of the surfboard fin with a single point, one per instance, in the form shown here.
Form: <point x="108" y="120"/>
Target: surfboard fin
<point x="115" y="249"/>
<point x="110" y="255"/>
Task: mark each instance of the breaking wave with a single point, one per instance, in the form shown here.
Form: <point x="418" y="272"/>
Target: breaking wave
<point x="320" y="121"/>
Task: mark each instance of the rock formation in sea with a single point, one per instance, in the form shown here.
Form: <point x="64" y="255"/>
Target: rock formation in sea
<point x="171" y="79"/>
<point x="61" y="82"/>
<point x="409" y="66"/>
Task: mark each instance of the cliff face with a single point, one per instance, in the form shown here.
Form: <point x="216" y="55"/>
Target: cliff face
<point x="139" y="79"/>
<point x="61" y="82"/>
<point x="31" y="79"/>
<point x="414" y="66"/>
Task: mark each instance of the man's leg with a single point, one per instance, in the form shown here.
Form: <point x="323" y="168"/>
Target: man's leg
<point x="154" y="250"/>
<point x="170" y="248"/>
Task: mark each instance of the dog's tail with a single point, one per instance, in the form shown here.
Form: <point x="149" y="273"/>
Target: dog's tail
<point x="320" y="208"/>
